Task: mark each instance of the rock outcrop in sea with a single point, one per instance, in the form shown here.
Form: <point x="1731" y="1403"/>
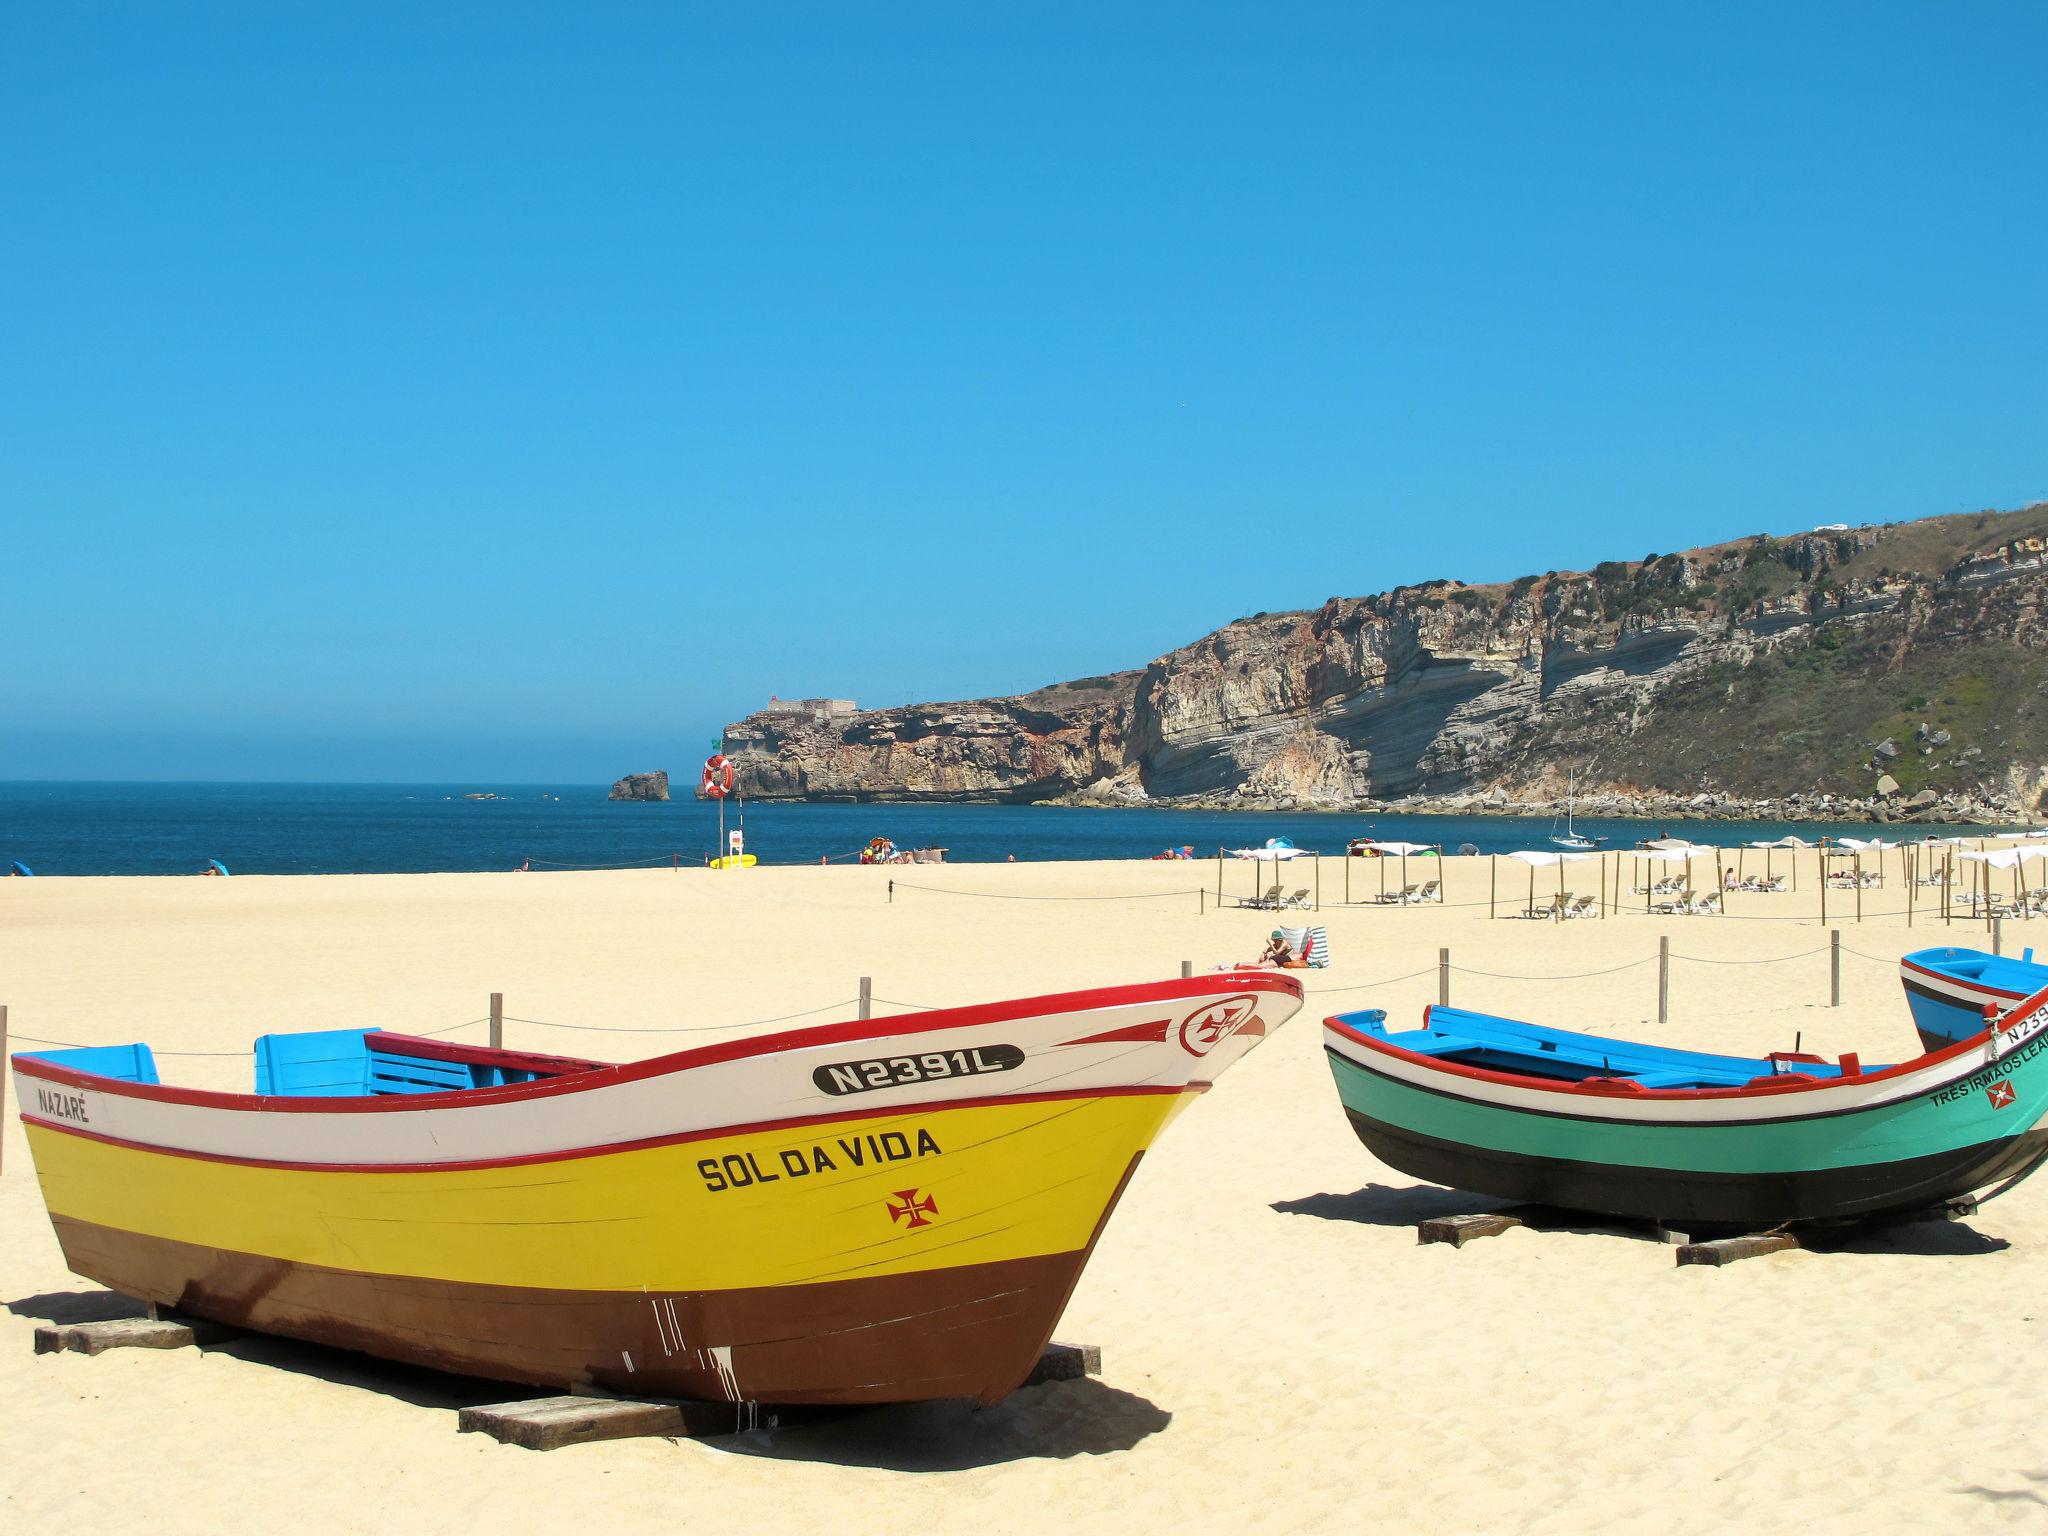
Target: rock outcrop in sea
<point x="641" y="786"/>
<point x="1769" y="678"/>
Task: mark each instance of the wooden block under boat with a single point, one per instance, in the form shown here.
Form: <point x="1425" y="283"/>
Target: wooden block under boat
<point x="1065" y="1362"/>
<point x="1727" y="1250"/>
<point x="548" y="1423"/>
<point x="1460" y="1230"/>
<point x="128" y="1333"/>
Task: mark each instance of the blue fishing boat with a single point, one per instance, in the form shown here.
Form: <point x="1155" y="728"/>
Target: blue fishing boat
<point x="1613" y="1126"/>
<point x="1950" y="989"/>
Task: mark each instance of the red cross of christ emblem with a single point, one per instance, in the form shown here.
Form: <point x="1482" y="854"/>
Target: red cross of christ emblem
<point x="2000" y="1095"/>
<point x="906" y="1204"/>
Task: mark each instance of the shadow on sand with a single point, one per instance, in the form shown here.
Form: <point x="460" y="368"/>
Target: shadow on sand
<point x="1056" y="1420"/>
<point x="1383" y="1205"/>
<point x="67" y="1307"/>
<point x="410" y="1384"/>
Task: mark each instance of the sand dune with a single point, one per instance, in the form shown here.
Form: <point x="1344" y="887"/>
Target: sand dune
<point x="1279" y="1353"/>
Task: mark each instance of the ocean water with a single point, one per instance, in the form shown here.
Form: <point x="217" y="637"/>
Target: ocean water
<point x="156" y="829"/>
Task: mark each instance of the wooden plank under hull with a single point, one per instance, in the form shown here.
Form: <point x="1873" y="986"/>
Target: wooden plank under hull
<point x="970" y="1332"/>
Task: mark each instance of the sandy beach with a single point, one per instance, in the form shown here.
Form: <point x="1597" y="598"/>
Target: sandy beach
<point x="1279" y="1353"/>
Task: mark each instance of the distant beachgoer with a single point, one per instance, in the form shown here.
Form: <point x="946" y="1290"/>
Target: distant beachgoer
<point x="1278" y="953"/>
<point x="1011" y="859"/>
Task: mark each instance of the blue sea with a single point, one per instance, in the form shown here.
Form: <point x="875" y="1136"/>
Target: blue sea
<point x="317" y="829"/>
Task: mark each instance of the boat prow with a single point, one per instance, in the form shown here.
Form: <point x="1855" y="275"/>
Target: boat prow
<point x="879" y="1210"/>
<point x="1951" y="992"/>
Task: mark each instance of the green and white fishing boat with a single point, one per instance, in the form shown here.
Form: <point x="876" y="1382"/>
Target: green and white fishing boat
<point x="1588" y="1123"/>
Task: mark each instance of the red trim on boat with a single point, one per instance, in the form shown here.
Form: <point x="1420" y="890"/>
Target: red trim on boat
<point x="1156" y="1030"/>
<point x="936" y="1021"/>
<point x="872" y="1112"/>
<point x="1783" y="1085"/>
<point x="478" y="1055"/>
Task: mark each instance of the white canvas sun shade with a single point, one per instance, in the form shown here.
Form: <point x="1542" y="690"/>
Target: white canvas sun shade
<point x="1545" y="858"/>
<point x="2005" y="858"/>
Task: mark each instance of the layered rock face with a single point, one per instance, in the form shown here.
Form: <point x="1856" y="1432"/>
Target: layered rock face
<point x="641" y="786"/>
<point x="1447" y="690"/>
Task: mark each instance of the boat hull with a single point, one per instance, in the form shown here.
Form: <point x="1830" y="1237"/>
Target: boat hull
<point x="972" y="1331"/>
<point x="871" y="1236"/>
<point x="1700" y="1196"/>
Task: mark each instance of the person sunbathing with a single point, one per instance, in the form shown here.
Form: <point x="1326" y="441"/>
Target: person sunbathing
<point x="1280" y="954"/>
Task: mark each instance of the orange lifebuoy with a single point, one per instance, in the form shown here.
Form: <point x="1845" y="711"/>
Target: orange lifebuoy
<point x="717" y="776"/>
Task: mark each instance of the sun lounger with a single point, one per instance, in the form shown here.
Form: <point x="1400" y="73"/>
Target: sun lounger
<point x="1427" y="891"/>
<point x="1581" y="906"/>
<point x="1300" y="898"/>
<point x="1265" y="903"/>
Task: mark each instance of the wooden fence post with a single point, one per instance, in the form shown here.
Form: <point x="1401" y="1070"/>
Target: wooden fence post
<point x="1187" y="969"/>
<point x="1443" y="977"/>
<point x="1492" y="880"/>
<point x="1663" y="977"/>
<point x="1998" y="935"/>
<point x="1856" y="874"/>
<point x="3" y="1072"/>
<point x="1834" y="967"/>
<point x="497" y="1021"/>
<point x="867" y="996"/>
<point x="1319" y="879"/>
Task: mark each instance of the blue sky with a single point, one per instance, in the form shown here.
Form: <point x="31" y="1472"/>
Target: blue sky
<point x="405" y="392"/>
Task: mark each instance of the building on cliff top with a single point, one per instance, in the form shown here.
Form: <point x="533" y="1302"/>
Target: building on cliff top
<point x="819" y="710"/>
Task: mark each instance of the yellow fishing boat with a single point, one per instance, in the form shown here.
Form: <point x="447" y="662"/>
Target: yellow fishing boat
<point x="879" y="1210"/>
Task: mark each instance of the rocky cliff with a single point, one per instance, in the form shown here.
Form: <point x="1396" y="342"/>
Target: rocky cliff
<point x="1897" y="666"/>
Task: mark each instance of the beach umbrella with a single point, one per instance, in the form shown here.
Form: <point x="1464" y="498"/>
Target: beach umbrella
<point x="21" y="868"/>
<point x="217" y="867"/>
<point x="2004" y="858"/>
<point x="1399" y="851"/>
<point x="1673" y="850"/>
<point x="1542" y="858"/>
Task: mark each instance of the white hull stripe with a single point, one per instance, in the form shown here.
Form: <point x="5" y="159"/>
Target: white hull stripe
<point x="1679" y="1107"/>
<point x="751" y="1090"/>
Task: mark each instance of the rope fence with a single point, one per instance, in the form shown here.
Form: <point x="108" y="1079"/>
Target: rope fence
<point x="864" y="999"/>
<point x="1201" y="893"/>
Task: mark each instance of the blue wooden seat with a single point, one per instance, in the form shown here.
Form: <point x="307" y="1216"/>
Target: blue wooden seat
<point x="321" y="1064"/>
<point x="123" y="1063"/>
